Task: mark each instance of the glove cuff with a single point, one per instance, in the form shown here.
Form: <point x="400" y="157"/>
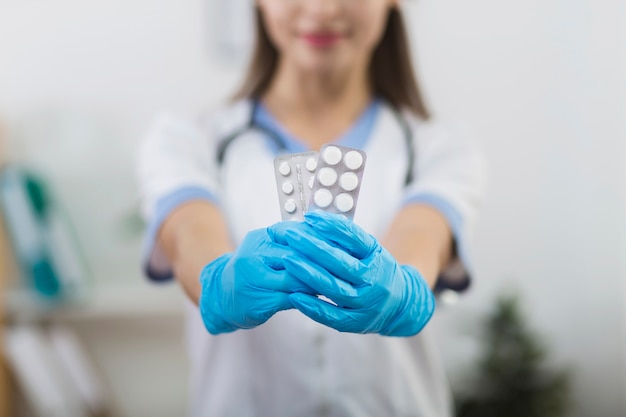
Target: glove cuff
<point x="419" y="307"/>
<point x="209" y="303"/>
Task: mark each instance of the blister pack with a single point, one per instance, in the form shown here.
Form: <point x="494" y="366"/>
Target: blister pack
<point x="328" y="181"/>
<point x="294" y="180"/>
<point x="337" y="180"/>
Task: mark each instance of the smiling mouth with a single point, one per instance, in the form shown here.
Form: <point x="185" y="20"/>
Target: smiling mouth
<point x="322" y="40"/>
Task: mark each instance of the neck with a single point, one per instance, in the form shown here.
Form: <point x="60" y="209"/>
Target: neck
<point x="315" y="95"/>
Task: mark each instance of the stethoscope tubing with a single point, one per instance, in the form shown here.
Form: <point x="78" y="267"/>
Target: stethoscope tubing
<point x="251" y="125"/>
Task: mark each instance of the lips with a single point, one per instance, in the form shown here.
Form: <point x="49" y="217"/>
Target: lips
<point x="322" y="40"/>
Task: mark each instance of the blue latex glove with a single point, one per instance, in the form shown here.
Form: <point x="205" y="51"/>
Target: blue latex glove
<point x="338" y="259"/>
<point x="244" y="289"/>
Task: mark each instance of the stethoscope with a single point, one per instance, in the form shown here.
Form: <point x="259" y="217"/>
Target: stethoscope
<point x="252" y="125"/>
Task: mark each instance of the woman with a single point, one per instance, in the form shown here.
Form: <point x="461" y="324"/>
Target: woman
<point x="262" y="343"/>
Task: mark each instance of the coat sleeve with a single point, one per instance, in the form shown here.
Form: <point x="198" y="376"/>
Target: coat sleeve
<point x="176" y="164"/>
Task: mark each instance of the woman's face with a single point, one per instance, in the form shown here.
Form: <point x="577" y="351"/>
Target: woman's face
<point x="325" y="36"/>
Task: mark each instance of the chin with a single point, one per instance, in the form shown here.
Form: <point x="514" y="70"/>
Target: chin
<point x="323" y="65"/>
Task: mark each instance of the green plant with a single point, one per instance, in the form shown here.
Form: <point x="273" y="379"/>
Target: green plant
<point x="511" y="378"/>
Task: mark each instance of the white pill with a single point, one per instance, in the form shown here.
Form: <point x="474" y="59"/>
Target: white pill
<point x="349" y="181"/>
<point x="311" y="182"/>
<point x="284" y="169"/>
<point x="332" y="155"/>
<point x="287" y="188"/>
<point x="327" y="176"/>
<point x="290" y="206"/>
<point x="353" y="160"/>
<point x="311" y="164"/>
<point x="322" y="198"/>
<point x="344" y="202"/>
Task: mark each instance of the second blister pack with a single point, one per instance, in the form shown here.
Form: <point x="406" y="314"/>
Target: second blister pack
<point x="294" y="180"/>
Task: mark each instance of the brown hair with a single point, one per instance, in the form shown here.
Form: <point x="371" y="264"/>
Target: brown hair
<point x="391" y="70"/>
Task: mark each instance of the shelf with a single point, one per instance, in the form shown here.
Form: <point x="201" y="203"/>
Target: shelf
<point x="105" y="301"/>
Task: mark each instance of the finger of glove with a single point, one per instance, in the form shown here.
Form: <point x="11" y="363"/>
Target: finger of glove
<point x="272" y="254"/>
<point x="262" y="278"/>
<point x="342" y="232"/>
<point x="247" y="314"/>
<point x="333" y="259"/>
<point x="330" y="315"/>
<point x="323" y="282"/>
<point x="276" y="232"/>
<point x="258" y="244"/>
<point x="270" y="303"/>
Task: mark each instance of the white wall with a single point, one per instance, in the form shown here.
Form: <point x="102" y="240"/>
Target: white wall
<point x="541" y="84"/>
<point x="538" y="83"/>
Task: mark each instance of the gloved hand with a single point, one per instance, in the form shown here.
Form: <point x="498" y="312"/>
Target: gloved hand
<point x="244" y="289"/>
<point x="339" y="260"/>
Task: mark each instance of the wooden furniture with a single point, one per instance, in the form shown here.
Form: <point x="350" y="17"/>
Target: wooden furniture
<point x="7" y="267"/>
<point x="5" y="386"/>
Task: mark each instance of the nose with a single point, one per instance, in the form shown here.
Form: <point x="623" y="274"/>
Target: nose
<point x="322" y="8"/>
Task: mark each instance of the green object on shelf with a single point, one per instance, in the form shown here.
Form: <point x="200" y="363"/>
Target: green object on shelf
<point x="37" y="193"/>
<point x="45" y="280"/>
<point x="50" y="258"/>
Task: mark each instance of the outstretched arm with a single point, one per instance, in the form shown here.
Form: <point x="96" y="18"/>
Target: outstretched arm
<point x="192" y="236"/>
<point x="420" y="236"/>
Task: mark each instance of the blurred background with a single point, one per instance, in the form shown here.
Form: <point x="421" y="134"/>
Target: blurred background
<point x="540" y="84"/>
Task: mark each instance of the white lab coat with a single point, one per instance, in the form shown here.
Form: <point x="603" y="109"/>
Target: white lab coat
<point x="292" y="366"/>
